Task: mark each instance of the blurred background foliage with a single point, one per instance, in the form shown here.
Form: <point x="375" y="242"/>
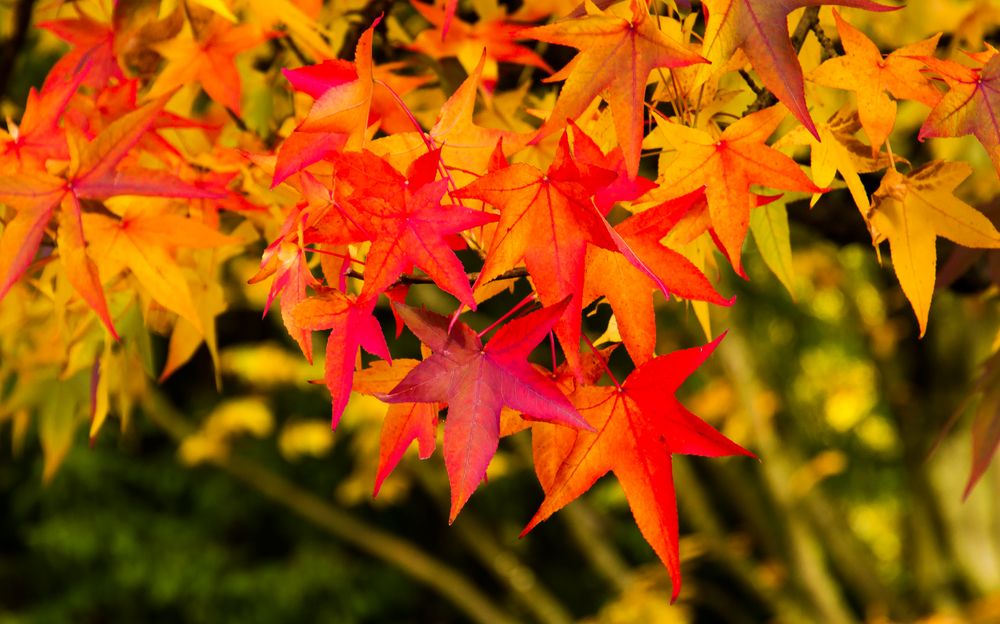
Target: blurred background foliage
<point x="241" y="505"/>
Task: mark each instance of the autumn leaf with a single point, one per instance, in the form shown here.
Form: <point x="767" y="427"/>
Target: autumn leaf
<point x="637" y="428"/>
<point x="337" y="120"/>
<point x="351" y="326"/>
<point x="404" y="422"/>
<point x="616" y="57"/>
<point x="864" y="70"/>
<point x="551" y="444"/>
<point x="971" y="105"/>
<point x="839" y="150"/>
<point x="760" y="29"/>
<point x="546" y="220"/>
<point x="317" y="221"/>
<point x="91" y="174"/>
<point x="476" y="382"/>
<point x="145" y="242"/>
<point x="207" y="57"/>
<point x="726" y="166"/>
<point x="629" y="292"/>
<point x="406" y="222"/>
<point x="911" y="211"/>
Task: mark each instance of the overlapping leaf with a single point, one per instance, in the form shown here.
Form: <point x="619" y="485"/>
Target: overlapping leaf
<point x="760" y="29"/>
<point x="476" y="382"/>
<point x="638" y="427"/>
<point x="616" y="57"/>
<point x="726" y="166"/>
<point x="912" y="211"/>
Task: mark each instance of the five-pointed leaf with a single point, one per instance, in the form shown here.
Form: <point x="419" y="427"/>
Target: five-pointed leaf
<point x="546" y="219"/>
<point x="616" y="57"/>
<point x="912" y="211"/>
<point x="208" y="58"/>
<point x="864" y="70"/>
<point x="406" y="222"/>
<point x="726" y="166"/>
<point x="638" y="427"/>
<point x="476" y="382"/>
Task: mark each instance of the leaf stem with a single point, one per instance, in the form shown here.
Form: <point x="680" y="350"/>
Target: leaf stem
<point x="524" y="302"/>
<point x="604" y="362"/>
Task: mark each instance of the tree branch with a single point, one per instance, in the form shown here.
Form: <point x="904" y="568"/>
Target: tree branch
<point x="393" y="550"/>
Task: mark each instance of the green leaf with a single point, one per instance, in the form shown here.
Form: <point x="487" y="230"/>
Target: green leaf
<point x="769" y="225"/>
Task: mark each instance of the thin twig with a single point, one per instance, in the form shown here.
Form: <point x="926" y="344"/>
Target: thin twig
<point x="747" y="78"/>
<point x="829" y="50"/>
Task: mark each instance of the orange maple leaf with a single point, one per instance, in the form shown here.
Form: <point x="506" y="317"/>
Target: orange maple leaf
<point x="864" y="70"/>
<point x="726" y="166"/>
<point x="616" y="57"/>
<point x="208" y="58"/>
<point x="638" y="427"/>
<point x="547" y="219"/>
<point x="629" y="291"/>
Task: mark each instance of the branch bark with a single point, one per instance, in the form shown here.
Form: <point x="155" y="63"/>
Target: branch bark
<point x="395" y="551"/>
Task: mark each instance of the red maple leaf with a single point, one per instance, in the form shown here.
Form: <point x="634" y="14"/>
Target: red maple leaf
<point x="476" y="382"/>
<point x="547" y="218"/>
<point x="406" y="222"/>
<point x="351" y="326"/>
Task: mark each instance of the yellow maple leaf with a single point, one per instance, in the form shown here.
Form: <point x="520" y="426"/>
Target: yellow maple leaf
<point x="911" y="211"/>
